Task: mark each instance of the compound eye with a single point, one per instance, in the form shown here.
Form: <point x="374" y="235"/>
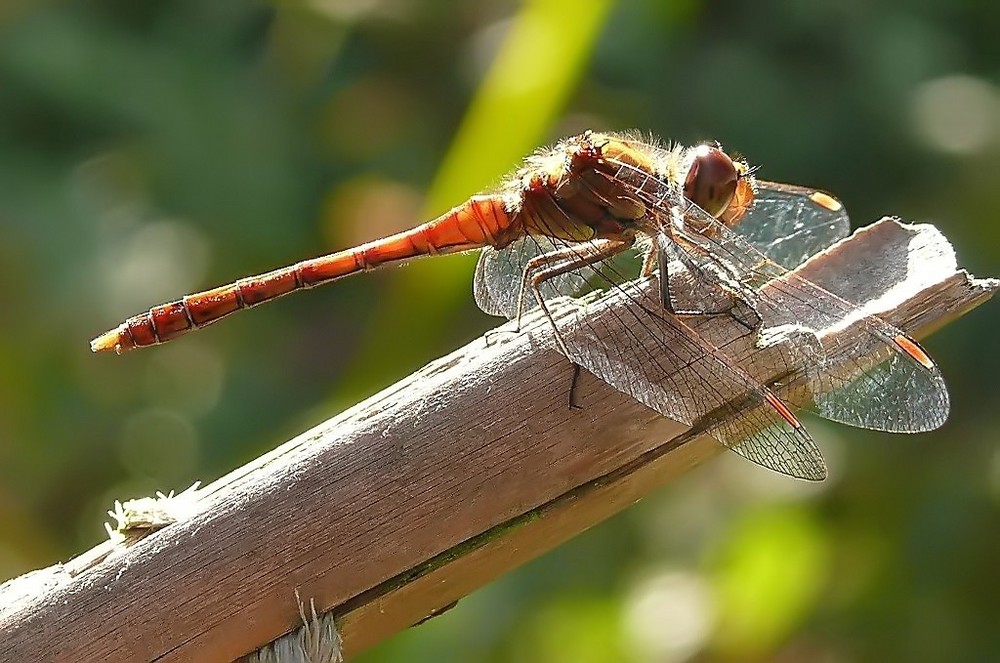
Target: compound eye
<point x="711" y="181"/>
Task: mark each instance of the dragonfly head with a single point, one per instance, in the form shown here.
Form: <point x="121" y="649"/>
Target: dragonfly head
<point x="718" y="184"/>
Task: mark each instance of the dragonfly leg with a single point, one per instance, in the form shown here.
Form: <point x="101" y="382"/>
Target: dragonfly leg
<point x="727" y="304"/>
<point x="490" y="333"/>
<point x="651" y="261"/>
<point x="573" y="405"/>
<point x="548" y="266"/>
<point x="561" y="261"/>
<point x="538" y="262"/>
<point x="706" y="295"/>
<point x="745" y="315"/>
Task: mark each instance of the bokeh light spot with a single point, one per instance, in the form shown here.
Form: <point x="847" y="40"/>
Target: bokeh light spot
<point x="957" y="114"/>
<point x="668" y="616"/>
<point x="156" y="262"/>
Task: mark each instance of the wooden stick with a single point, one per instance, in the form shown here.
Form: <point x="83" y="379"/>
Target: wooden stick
<point x="395" y="509"/>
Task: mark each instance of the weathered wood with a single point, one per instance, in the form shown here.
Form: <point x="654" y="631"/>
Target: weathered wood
<point x="405" y="503"/>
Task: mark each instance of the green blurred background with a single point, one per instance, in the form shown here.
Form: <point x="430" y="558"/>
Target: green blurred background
<point x="151" y="149"/>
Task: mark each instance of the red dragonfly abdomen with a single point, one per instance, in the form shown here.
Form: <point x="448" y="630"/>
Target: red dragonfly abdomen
<point x="480" y="221"/>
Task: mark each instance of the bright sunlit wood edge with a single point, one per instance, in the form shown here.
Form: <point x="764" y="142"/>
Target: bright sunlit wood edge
<point x="392" y="511"/>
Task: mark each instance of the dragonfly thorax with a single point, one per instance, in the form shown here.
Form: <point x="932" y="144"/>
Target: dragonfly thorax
<point x="572" y="192"/>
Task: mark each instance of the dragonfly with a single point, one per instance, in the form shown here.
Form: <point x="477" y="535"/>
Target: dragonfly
<point x="609" y="212"/>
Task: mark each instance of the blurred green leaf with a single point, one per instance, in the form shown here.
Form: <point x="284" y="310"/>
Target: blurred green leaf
<point x="767" y="577"/>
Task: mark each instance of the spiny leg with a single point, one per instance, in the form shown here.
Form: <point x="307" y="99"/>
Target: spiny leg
<point x="650" y="261"/>
<point x="570" y="258"/>
<point x="547" y="266"/>
<point x="718" y="299"/>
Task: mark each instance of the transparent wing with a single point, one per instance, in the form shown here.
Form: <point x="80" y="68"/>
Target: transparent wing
<point x="839" y="381"/>
<point x="870" y="373"/>
<point x="790" y="223"/>
<point x="628" y="340"/>
<point x="499" y="272"/>
<point x="885" y="384"/>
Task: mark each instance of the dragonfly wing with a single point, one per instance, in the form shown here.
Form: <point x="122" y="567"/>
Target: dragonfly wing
<point x="896" y="396"/>
<point x="790" y="223"/>
<point x="872" y="374"/>
<point x="645" y="352"/>
<point x="877" y="378"/>
<point x="497" y="282"/>
<point x="628" y="340"/>
<point x="780" y="447"/>
<point x="865" y="372"/>
<point x="494" y="267"/>
<point x="499" y="273"/>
